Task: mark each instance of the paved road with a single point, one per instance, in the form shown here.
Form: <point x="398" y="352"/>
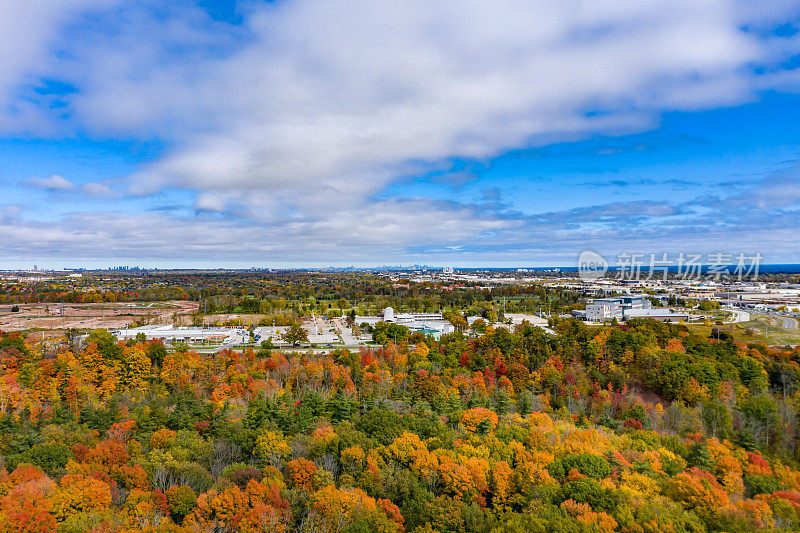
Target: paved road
<point x="786" y="322"/>
<point x="286" y="349"/>
<point x="738" y="315"/>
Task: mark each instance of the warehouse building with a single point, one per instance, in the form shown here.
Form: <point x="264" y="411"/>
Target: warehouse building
<point x="427" y="323"/>
<point x="189" y="335"/>
<point x="605" y="309"/>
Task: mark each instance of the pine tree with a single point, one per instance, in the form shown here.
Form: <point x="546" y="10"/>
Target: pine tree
<point x="747" y="438"/>
<point x="504" y="403"/>
<point x="340" y="407"/>
<point x="525" y="403"/>
<point x="699" y="456"/>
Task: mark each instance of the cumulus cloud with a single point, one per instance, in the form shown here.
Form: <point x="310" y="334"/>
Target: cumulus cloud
<point x="28" y="32"/>
<point x="96" y="190"/>
<point x="776" y="192"/>
<point x="54" y="182"/>
<point x="332" y="102"/>
<point x="339" y="93"/>
<point x="401" y="231"/>
<point x="153" y="236"/>
<point x="295" y="122"/>
<point x="210" y="202"/>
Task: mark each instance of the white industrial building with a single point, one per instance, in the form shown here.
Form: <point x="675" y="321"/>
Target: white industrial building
<point x="604" y="309"/>
<point x="428" y="323"/>
<point x="661" y="314"/>
<point x="627" y="307"/>
<point x="188" y="335"/>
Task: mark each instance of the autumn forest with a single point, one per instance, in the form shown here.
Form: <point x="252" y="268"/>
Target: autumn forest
<point x="644" y="427"/>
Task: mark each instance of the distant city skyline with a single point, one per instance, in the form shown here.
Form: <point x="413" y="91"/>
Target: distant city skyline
<point x="304" y="134"/>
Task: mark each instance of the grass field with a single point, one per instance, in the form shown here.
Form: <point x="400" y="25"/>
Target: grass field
<point x="760" y="328"/>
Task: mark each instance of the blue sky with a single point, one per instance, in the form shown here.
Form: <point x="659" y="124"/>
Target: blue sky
<point x="295" y="133"/>
<point x="687" y="155"/>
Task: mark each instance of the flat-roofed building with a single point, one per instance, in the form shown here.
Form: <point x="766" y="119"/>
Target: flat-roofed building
<point x="605" y="309"/>
<point x="413" y="321"/>
<point x="188" y="335"/>
<point x="661" y="314"/>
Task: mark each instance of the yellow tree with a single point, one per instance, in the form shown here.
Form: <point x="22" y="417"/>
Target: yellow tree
<point x="272" y="447"/>
<point x="92" y="361"/>
<point x="136" y="368"/>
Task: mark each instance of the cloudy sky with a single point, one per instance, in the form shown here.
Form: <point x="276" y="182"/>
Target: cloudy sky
<point x="300" y="133"/>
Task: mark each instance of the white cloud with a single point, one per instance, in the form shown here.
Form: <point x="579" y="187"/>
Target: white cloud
<point x="393" y="232"/>
<point x="210" y="202"/>
<point x="155" y="236"/>
<point x="29" y="30"/>
<point x="96" y="190"/>
<point x="346" y="92"/>
<point x="294" y="122"/>
<point x="328" y="103"/>
<point x="9" y="213"/>
<point x="54" y="183"/>
<point x="778" y="191"/>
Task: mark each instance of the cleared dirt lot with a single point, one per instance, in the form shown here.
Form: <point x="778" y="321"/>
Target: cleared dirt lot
<point x="89" y="316"/>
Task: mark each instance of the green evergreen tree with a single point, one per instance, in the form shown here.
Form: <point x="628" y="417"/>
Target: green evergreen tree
<point x="699" y="455"/>
<point x="504" y="404"/>
<point x="340" y="407"/>
<point x="525" y="403"/>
